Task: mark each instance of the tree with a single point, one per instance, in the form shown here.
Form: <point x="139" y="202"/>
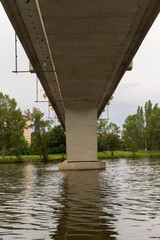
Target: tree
<point x="148" y="112"/>
<point x="102" y="131"/>
<point x="17" y="125"/>
<point x="102" y="126"/>
<point x="11" y="125"/>
<point x="5" y="106"/>
<point x="113" y="138"/>
<point x="151" y="113"/>
<point x="57" y="142"/>
<point x="153" y="129"/>
<point x="108" y="136"/>
<point x="112" y="141"/>
<point x="131" y="133"/>
<point x="140" y="128"/>
<point x="40" y="136"/>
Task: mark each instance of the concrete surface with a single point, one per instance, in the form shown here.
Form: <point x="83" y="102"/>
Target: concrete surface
<point x="81" y="134"/>
<point x="72" y="166"/>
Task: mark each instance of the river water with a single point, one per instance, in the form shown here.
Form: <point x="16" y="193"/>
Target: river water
<point x="121" y="203"/>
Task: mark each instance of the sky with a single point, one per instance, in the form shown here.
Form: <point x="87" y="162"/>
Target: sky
<point x="135" y="88"/>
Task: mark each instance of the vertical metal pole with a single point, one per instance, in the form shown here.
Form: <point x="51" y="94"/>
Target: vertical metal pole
<point x="107" y="112"/>
<point x="36" y="88"/>
<point x="48" y="111"/>
<point x="16" y="53"/>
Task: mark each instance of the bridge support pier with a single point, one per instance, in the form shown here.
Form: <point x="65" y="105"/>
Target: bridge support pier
<point x="81" y="137"/>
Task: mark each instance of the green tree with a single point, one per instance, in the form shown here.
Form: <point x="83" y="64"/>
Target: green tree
<point x="131" y="133"/>
<point x="150" y="134"/>
<point x="113" y="137"/>
<point x="11" y="125"/>
<point x="140" y="129"/>
<point x="102" y="126"/>
<point x="147" y="113"/>
<point x="153" y="129"/>
<point x="148" y="110"/>
<point x="17" y="125"/>
<point x="102" y="131"/>
<point x="57" y="143"/>
<point x="108" y="136"/>
<point x="40" y="135"/>
<point x="5" y="106"/>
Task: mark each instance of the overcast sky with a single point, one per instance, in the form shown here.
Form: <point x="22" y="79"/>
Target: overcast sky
<point x="136" y="87"/>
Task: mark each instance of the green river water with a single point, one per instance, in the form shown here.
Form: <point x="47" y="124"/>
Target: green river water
<point x="120" y="203"/>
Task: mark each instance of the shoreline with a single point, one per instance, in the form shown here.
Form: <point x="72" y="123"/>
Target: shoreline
<point x="57" y="158"/>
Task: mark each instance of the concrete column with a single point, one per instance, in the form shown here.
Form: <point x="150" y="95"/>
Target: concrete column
<point x="81" y="136"/>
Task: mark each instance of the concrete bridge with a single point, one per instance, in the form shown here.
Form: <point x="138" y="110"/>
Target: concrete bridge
<point x="80" y="49"/>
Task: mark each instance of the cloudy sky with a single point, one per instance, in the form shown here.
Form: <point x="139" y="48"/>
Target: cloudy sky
<point x="136" y="87"/>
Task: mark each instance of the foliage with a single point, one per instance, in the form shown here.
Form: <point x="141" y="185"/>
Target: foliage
<point x="153" y="130"/>
<point x="18" y="123"/>
<point x="102" y="132"/>
<point x="12" y="124"/>
<point x="108" y="136"/>
<point x="102" y="126"/>
<point x="57" y="142"/>
<point x="131" y="133"/>
<point x="142" y="130"/>
<point x="40" y="135"/>
<point x="24" y="147"/>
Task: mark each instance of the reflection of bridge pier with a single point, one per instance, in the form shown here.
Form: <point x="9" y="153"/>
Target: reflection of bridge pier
<point x="80" y="50"/>
<point x="81" y="216"/>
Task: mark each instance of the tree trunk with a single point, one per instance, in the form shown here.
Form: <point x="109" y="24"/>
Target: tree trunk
<point x="40" y="157"/>
<point x="17" y="152"/>
<point x="145" y="141"/>
<point x="134" y="154"/>
<point x="145" y="144"/>
<point x="3" y="153"/>
<point x="111" y="153"/>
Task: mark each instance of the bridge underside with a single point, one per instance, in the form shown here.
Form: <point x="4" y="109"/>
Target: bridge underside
<point x="80" y="51"/>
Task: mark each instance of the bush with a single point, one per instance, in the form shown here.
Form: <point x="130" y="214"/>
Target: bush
<point x="60" y="149"/>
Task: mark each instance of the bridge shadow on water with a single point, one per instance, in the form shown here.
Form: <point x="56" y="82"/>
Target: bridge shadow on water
<point x="82" y="215"/>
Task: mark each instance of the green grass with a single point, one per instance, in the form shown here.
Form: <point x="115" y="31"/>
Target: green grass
<point x="127" y="154"/>
<point x="33" y="158"/>
<point x="55" y="158"/>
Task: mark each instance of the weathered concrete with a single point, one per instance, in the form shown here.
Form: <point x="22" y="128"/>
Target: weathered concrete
<point x="69" y="166"/>
<point x="81" y="134"/>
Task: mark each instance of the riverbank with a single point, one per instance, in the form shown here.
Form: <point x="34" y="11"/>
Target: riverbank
<point x="127" y="154"/>
<point x="56" y="158"/>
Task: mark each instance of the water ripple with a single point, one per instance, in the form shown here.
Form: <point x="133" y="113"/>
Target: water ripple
<point x="120" y="203"/>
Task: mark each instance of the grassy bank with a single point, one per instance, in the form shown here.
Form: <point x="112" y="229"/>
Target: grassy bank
<point x="33" y="158"/>
<point x="127" y="154"/>
<point x="55" y="158"/>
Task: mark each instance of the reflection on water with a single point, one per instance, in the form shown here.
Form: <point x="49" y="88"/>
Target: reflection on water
<point x="82" y="215"/>
<point x="120" y="203"/>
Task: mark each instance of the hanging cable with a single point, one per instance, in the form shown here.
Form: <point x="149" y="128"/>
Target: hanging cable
<point x="37" y="88"/>
<point x="107" y="111"/>
<point x="16" y="55"/>
<point x="48" y="111"/>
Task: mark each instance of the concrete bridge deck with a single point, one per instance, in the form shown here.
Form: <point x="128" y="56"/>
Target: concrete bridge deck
<point x="80" y="50"/>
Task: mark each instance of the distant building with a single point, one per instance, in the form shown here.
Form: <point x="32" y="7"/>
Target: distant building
<point x="27" y="131"/>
